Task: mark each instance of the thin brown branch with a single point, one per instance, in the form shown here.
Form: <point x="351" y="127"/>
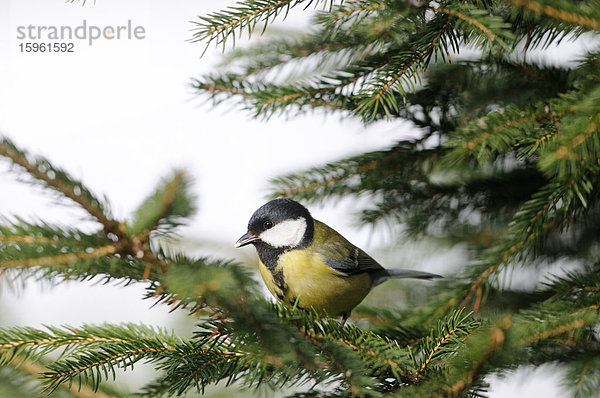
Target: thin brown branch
<point x="212" y="88"/>
<point x="138" y="242"/>
<point x="246" y="17"/>
<point x="548" y="136"/>
<point x="509" y="253"/>
<point x="353" y="10"/>
<point x="582" y="374"/>
<point x="314" y="336"/>
<point x="418" y="57"/>
<point x="561" y="15"/>
<point x="491" y="269"/>
<point x="591" y="129"/>
<point x="35" y="369"/>
<point x="497" y="337"/>
<point x="321" y="90"/>
<point x="168" y="198"/>
<point x="146" y="350"/>
<point x="517" y="246"/>
<point x="225" y="355"/>
<point x="370" y="353"/>
<point x="71" y="192"/>
<point x="362" y="169"/>
<point x="576" y="324"/>
<point x="151" y="258"/>
<point x="490" y="35"/>
<point x="435" y="349"/>
<point x="61" y="259"/>
<point x="469" y="146"/>
<point x="26" y="239"/>
<point x="60" y="340"/>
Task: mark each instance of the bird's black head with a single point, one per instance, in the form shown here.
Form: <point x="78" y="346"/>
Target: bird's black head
<point x="281" y="224"/>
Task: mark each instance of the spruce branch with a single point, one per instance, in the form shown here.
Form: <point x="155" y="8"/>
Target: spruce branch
<point x="523" y="336"/>
<point x="228" y="288"/>
<point x="41" y="342"/>
<point x="35" y="369"/>
<point x="564" y="11"/>
<point x="47" y="251"/>
<point x="583" y="377"/>
<point x="289" y="60"/>
<point x="332" y="90"/>
<point x="447" y="338"/>
<point x="501" y="132"/>
<point x="215" y="89"/>
<point x="62" y="183"/>
<point x="342" y="12"/>
<point x="573" y="153"/>
<point x="25" y="239"/>
<point x="340" y="177"/>
<point x="219" y="26"/>
<point x="550" y="207"/>
<point x="164" y="209"/>
<point x="87" y="351"/>
<point x="89" y="367"/>
<point x="496" y="338"/>
<point x="383" y="356"/>
<point x="193" y="368"/>
<point x="349" y="16"/>
<point x="490" y="35"/>
<point x="402" y="69"/>
<point x="27" y="245"/>
<point x="61" y="259"/>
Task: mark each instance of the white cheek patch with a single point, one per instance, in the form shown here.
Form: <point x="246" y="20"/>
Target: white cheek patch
<point x="288" y="233"/>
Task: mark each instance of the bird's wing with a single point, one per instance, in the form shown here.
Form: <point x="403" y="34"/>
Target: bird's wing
<point x="341" y="255"/>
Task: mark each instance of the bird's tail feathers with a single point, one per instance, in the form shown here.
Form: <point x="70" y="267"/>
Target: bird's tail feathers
<point x="402" y="273"/>
<point x="408" y="273"/>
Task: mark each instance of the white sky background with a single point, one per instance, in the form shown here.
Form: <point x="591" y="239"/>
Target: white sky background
<point x="119" y="115"/>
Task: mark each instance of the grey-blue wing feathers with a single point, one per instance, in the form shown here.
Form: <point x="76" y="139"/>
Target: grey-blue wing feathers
<point x="353" y="263"/>
<point x="345" y="258"/>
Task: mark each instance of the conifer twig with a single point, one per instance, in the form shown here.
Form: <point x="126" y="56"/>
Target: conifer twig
<point x="25" y="239"/>
<point x="61" y="259"/>
<point x="497" y="337"/>
<point x="166" y="203"/>
<point x="59" y="340"/>
<point x="576" y="324"/>
<point x="490" y="35"/>
<point x="212" y="88"/>
<point x="356" y="10"/>
<point x="71" y="192"/>
<point x="562" y="15"/>
<point x="245" y="17"/>
<point x="439" y="344"/>
<point x="36" y="369"/>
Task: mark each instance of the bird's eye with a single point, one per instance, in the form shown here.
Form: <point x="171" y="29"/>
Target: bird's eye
<point x="267" y="224"/>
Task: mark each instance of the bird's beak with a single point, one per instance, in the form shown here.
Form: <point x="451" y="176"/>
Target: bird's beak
<point x="246" y="239"/>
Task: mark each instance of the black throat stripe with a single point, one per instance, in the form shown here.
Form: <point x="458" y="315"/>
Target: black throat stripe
<point x="269" y="256"/>
<point x="279" y="281"/>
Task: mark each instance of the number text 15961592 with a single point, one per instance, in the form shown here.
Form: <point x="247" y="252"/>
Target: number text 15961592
<point x="47" y="47"/>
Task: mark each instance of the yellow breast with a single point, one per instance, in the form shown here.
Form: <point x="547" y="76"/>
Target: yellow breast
<point x="303" y="276"/>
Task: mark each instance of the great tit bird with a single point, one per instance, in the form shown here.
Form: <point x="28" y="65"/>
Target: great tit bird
<point x="306" y="263"/>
